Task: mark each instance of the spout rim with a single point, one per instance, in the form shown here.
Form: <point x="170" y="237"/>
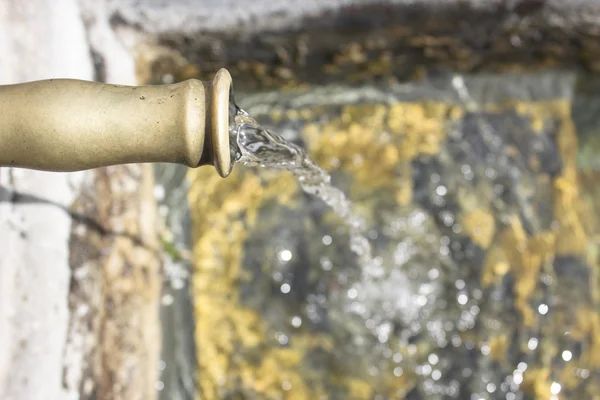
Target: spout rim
<point x="221" y="86"/>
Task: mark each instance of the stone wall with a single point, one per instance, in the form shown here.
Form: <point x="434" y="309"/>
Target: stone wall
<point x="475" y="206"/>
<point x="34" y="260"/>
<point x="79" y="265"/>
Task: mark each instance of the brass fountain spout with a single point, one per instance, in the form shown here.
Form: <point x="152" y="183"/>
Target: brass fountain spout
<point x="71" y="125"/>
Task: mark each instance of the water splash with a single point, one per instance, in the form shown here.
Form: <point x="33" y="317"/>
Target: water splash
<point x="261" y="147"/>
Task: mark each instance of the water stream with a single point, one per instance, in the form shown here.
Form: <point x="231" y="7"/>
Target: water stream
<point x="260" y="147"/>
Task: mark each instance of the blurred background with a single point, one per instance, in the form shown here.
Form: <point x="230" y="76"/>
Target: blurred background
<point x="466" y="132"/>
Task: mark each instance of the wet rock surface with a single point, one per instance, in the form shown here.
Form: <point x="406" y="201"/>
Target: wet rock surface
<point x="274" y="45"/>
<point x="483" y="224"/>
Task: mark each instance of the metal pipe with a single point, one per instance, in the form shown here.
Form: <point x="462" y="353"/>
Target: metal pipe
<point x="70" y="125"/>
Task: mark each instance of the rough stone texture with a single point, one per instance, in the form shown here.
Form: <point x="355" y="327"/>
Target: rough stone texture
<point x="95" y="334"/>
<point x="160" y="16"/>
<point x="270" y="44"/>
<point x="37" y="40"/>
<point x="483" y="223"/>
<point x="115" y="290"/>
<point x="114" y="333"/>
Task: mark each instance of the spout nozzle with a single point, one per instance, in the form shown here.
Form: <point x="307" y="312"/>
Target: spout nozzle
<point x="70" y="125"/>
<point x="219" y="122"/>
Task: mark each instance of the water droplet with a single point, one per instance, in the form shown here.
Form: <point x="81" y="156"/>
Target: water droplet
<point x="456" y="341"/>
<point x="491" y="388"/>
<point x="460" y="284"/>
<point x="177" y="284"/>
<point x="285" y="288"/>
<point x="397" y="357"/>
<point x="543" y="309"/>
<point x="296" y="322"/>
<point x="327" y="240"/>
<point x="426" y="369"/>
<point x="433" y="359"/>
<point x="490" y="173"/>
<point x="384" y="331"/>
<point x="161" y="365"/>
<point x="286" y="385"/>
<point x="436" y="374"/>
<point x="522" y="366"/>
<point x="411" y="348"/>
<point x="398" y="371"/>
<point x="485" y="349"/>
<point x="447" y="218"/>
<point x="462" y="299"/>
<point x="438" y="201"/>
<point x="285" y="255"/>
<point x="277" y="276"/>
<point x="547" y="279"/>
<point x="511" y="396"/>
<point x="433" y="274"/>
<point x="167" y="300"/>
<point x="555" y="388"/>
<point x="159" y="385"/>
<point x="326" y="264"/>
<point x="567" y="355"/>
<point x="532" y="344"/>
<point x="352" y="293"/>
<point x="281" y="338"/>
<point x="585" y="373"/>
<point x="159" y="192"/>
<point x="441" y="190"/>
<point x="517" y="377"/>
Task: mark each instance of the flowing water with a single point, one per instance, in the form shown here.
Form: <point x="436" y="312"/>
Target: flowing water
<point x="260" y="147"/>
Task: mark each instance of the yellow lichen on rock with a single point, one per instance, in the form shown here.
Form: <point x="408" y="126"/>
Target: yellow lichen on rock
<point x="376" y="142"/>
<point x="536" y="383"/>
<point x="222" y="211"/>
<point x="229" y="334"/>
<point x="523" y="256"/>
<point x="375" y="145"/>
<point x="420" y="127"/>
<point x="498" y="347"/>
<point x="587" y="330"/>
<point x="569" y="212"/>
<point x="480" y="226"/>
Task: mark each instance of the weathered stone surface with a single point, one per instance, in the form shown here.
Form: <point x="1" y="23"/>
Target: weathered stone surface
<point x="281" y="44"/>
<point x="95" y="333"/>
<point x="481" y="219"/>
<point x="34" y="252"/>
<point x="115" y="288"/>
